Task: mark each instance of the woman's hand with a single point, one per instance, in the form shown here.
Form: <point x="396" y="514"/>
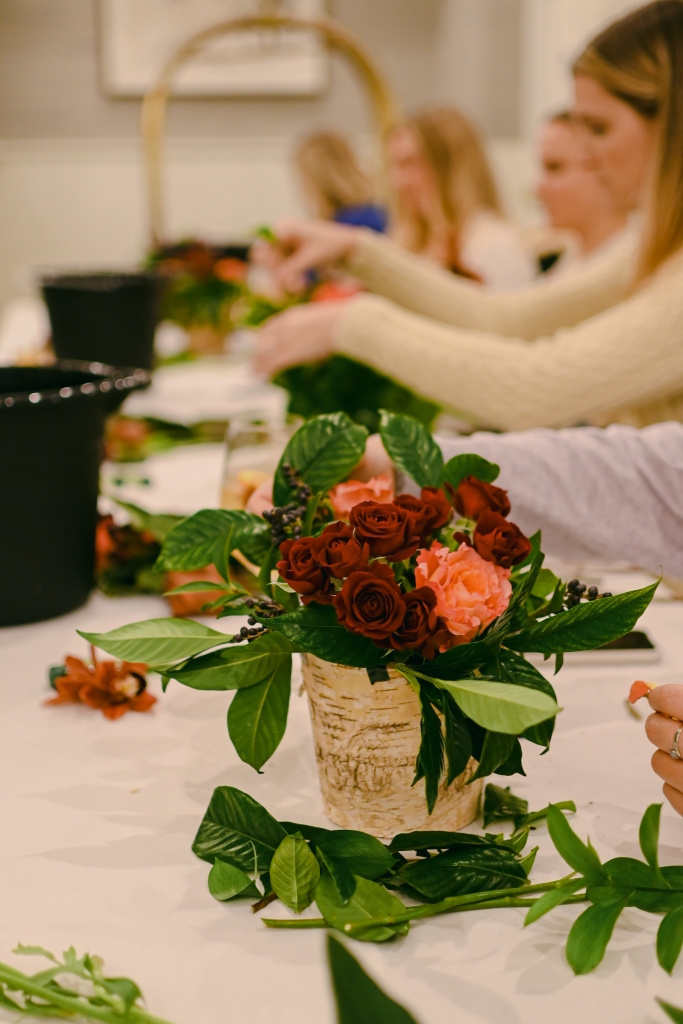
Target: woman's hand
<point x="303" y="334"/>
<point x="306" y="245"/>
<point x="667" y="703"/>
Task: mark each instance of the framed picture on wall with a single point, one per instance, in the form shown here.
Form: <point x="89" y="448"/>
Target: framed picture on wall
<point x="137" y="37"/>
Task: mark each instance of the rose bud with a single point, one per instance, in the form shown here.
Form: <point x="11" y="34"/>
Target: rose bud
<point x="386" y="528"/>
<point x="370" y="602"/>
<point x="338" y="552"/>
<point x="472" y="497"/>
<point x="499" y="541"/>
<point x="429" y="512"/>
<point x="300" y="569"/>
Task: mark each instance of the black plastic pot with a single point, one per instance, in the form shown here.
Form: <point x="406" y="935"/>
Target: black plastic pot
<point x="51" y="428"/>
<point x="104" y="316"/>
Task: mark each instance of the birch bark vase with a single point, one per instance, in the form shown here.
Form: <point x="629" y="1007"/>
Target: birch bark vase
<point x="367" y="737"/>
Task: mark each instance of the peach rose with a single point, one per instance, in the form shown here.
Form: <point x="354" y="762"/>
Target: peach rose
<point x="344" y="496"/>
<point x="470" y="593"/>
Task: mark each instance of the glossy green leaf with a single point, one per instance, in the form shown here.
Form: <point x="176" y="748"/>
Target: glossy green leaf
<point x="632" y="874"/>
<point x="502" y="805"/>
<point x="239" y="830"/>
<point x="587" y="626"/>
<point x="549" y="900"/>
<point x="430" y="757"/>
<point x="673" y="1012"/>
<point x="359" y="1000"/>
<point x="649" y="835"/>
<point x="369" y="901"/>
<point x="500" y="707"/>
<point x="361" y="853"/>
<point x="316" y="630"/>
<point x="323" y="451"/>
<point x="462" y="870"/>
<point x="457" y="739"/>
<point x="226" y="882"/>
<point x="257" y="716"/>
<point x="590" y="934"/>
<point x="198" y="587"/>
<point x="670" y="939"/>
<point x="457" y="468"/>
<point x="159" y="525"/>
<point x="233" y="668"/>
<point x="518" y="670"/>
<point x="200" y="539"/>
<point x="294" y="873"/>
<point x="460" y="661"/>
<point x="157" y="641"/>
<point x="412" y="448"/>
<point x="437" y="840"/>
<point x="578" y="855"/>
<point x="344" y="880"/>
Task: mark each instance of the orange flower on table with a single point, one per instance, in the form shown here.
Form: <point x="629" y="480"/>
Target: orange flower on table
<point x="470" y="592"/>
<point x="112" y="687"/>
<point x="639" y="689"/>
<point x="345" y="496"/>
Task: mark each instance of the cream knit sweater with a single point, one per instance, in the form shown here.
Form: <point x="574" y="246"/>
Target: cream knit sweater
<point x="566" y="351"/>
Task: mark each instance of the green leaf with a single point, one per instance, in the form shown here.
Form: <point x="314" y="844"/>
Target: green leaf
<point x="438" y="840"/>
<point x="580" y="857"/>
<point x="200" y="540"/>
<point x="316" y="630"/>
<point x="555" y="898"/>
<point x="629" y="873"/>
<point x="649" y="835"/>
<point x="294" y="873"/>
<point x="670" y="939"/>
<point x="323" y="451"/>
<point x="587" y="626"/>
<point x="412" y="448"/>
<point x="127" y="991"/>
<point x="22" y="950"/>
<point x="368" y="902"/>
<point x="361" y="853"/>
<point x="534" y="816"/>
<point x="359" y="1000"/>
<point x="197" y="586"/>
<point x="158" y="525"/>
<point x="460" y="661"/>
<point x="257" y="716"/>
<point x="344" y="880"/>
<point x="457" y="739"/>
<point x="269" y="562"/>
<point x="233" y="668"/>
<point x="430" y="756"/>
<point x="457" y="468"/>
<point x="157" y="641"/>
<point x="519" y="671"/>
<point x="226" y="882"/>
<point x="496" y="750"/>
<point x="238" y="830"/>
<point x="672" y="1012"/>
<point x="463" y="870"/>
<point x="500" y="707"/>
<point x="590" y="934"/>
<point x="501" y="805"/>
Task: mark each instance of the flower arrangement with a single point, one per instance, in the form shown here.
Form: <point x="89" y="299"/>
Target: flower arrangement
<point x="441" y="589"/>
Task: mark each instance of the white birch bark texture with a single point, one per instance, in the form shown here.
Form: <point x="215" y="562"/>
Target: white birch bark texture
<point x="367" y="737"/>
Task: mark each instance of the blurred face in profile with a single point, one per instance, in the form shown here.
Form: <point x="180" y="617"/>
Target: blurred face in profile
<point x="620" y="142"/>
<point x="568" y="187"/>
<point x="410" y="176"/>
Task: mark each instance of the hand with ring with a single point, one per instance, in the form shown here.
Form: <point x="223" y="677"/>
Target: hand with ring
<point x="665" y="730"/>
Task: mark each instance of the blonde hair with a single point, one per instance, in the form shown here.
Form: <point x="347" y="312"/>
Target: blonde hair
<point x="331" y="173"/>
<point x="639" y="60"/>
<point x="456" y="157"/>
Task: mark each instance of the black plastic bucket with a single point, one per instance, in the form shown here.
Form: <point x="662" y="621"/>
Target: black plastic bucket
<point x="51" y="428"/>
<point x="107" y="317"/>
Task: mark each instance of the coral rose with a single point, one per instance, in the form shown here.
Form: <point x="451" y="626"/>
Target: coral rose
<point x="499" y="541"/>
<point x="299" y="568"/>
<point x="338" y="552"/>
<point x="387" y="529"/>
<point x="429" y="512"/>
<point x="470" y="592"/>
<point x="472" y="497"/>
<point x="344" y="496"/>
<point x="370" y="602"/>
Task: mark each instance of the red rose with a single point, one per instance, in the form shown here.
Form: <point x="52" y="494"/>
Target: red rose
<point x="338" y="552"/>
<point x="421" y="626"/>
<point x="300" y="569"/>
<point x="386" y="528"/>
<point x="371" y="603"/>
<point x="499" y="541"/>
<point x="472" y="497"/>
<point x="429" y="512"/>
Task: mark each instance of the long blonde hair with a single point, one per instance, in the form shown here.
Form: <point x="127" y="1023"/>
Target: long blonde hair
<point x="331" y="174"/>
<point x="639" y="60"/>
<point x="455" y="155"/>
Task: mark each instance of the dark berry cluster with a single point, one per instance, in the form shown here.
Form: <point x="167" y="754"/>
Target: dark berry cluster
<point x="577" y="590"/>
<point x="266" y="610"/>
<point x="285" y="522"/>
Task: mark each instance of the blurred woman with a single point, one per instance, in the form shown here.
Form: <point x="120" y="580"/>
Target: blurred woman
<point x="446" y="205"/>
<point x="335" y="185"/>
<point x="604" y="343"/>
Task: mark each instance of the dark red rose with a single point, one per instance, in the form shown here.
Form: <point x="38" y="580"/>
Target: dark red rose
<point x="386" y="528"/>
<point x="499" y="541"/>
<point x="371" y="603"/>
<point x="300" y="569"/>
<point x="421" y="626"/>
<point x="338" y="552"/>
<point x="472" y="497"/>
<point x="429" y="512"/>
